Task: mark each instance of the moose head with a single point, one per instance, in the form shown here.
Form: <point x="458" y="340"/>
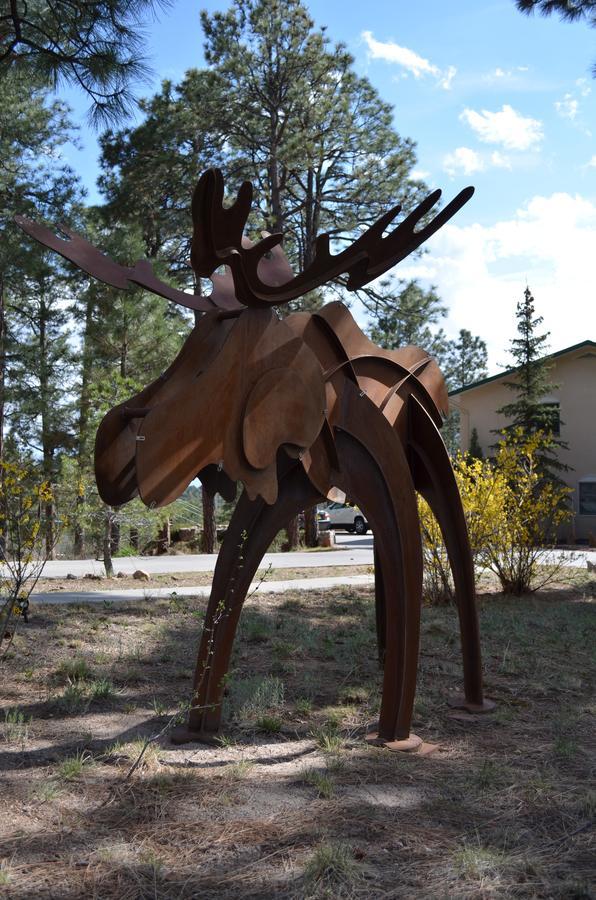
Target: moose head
<point x="295" y="409"/>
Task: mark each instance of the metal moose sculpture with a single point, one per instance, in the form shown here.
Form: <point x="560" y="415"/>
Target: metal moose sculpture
<point x="296" y="409"/>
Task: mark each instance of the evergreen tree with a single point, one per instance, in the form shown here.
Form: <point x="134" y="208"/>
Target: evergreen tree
<point x="40" y="377"/>
<point x="475" y="450"/>
<point x="126" y="337"/>
<point x="31" y="182"/>
<point x="406" y="316"/>
<point x="568" y="10"/>
<point x="95" y="46"/>
<point x="314" y="137"/>
<point x="465" y="360"/>
<point x="34" y="351"/>
<point x="149" y="171"/>
<point x="528" y="414"/>
<point x="149" y="174"/>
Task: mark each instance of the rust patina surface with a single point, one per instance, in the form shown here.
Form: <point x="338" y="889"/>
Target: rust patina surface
<point x="295" y="409"/>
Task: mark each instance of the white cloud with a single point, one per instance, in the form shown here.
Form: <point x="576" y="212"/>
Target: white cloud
<point x="393" y="53"/>
<point x="447" y="78"/>
<point x="463" y="161"/>
<point x="567" y="107"/>
<point x="499" y="161"/>
<point x="506" y="127"/>
<point x="422" y="174"/>
<point x="500" y="74"/>
<point x="592" y="162"/>
<point x="584" y="87"/>
<point x="481" y="272"/>
<point x="408" y="59"/>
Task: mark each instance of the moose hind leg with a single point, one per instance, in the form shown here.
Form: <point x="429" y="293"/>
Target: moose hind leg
<point x="435" y="481"/>
<point x="399" y="578"/>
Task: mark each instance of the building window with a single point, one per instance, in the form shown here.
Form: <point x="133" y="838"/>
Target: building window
<point x="587" y="498"/>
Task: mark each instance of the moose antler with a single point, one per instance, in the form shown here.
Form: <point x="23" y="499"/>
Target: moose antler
<point x="91" y="260"/>
<point x="257" y="275"/>
<point x="217" y="239"/>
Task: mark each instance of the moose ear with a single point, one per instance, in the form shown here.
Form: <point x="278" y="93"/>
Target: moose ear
<point x="280" y="410"/>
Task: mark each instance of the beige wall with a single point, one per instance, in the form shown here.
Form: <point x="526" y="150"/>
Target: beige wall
<point x="575" y="374"/>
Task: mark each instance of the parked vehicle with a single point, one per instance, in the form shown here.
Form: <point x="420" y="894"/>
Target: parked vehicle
<point x="351" y="518"/>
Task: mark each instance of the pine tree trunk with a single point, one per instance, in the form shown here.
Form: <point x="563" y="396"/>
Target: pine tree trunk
<point x="115" y="537"/>
<point x="83" y="425"/>
<point x="2" y="366"/>
<point x="209" y="524"/>
<point x="47" y="445"/>
<point x="2" y="400"/>
<point x="134" y="538"/>
<point x="107" y="543"/>
<point x="293" y="533"/>
<point x="165" y="537"/>
<point x="50" y="537"/>
<point x="78" y="539"/>
<point x="311" y="527"/>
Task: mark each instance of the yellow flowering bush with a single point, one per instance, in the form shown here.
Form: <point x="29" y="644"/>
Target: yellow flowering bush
<point x="23" y="547"/>
<point x="512" y="512"/>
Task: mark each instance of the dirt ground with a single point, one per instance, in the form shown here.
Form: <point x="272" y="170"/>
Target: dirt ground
<point x="292" y="802"/>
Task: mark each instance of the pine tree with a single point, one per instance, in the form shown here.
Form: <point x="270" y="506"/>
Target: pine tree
<point x="41" y="377"/>
<point x="465" y="360"/>
<point x="34" y="352"/>
<point x="528" y="414"/>
<point x="568" y="10"/>
<point x="125" y="339"/>
<point x="95" y="46"/>
<point x="32" y="131"/>
<point x="475" y="450"/>
<point x="315" y="138"/>
<point x="405" y="315"/>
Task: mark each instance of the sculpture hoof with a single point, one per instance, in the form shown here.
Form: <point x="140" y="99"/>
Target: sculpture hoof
<point x="184" y="735"/>
<point x="411" y="744"/>
<point x="475" y="709"/>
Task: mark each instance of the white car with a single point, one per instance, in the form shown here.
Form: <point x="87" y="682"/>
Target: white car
<point x="351" y="518"/>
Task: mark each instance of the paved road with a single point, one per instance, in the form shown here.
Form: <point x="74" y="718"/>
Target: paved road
<point x="265" y="587"/>
<point x="353" y="551"/>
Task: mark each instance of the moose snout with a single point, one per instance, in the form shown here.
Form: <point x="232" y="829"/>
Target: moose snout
<point x="115" y="452"/>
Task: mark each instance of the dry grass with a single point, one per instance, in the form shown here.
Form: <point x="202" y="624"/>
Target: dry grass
<point x="501" y="810"/>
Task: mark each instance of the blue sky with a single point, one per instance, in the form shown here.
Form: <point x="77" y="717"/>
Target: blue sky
<point x="492" y="98"/>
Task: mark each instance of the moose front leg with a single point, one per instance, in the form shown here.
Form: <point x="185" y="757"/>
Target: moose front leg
<point x="252" y="528"/>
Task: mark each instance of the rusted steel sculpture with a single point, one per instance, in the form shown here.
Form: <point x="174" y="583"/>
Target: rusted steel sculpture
<point x="296" y="409"/>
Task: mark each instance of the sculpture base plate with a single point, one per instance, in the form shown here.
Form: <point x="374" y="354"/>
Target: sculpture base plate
<point x="184" y="735"/>
<point x="411" y="744"/>
<point x="476" y="709"/>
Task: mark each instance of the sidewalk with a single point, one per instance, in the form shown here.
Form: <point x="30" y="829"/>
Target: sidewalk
<point x="265" y="587"/>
